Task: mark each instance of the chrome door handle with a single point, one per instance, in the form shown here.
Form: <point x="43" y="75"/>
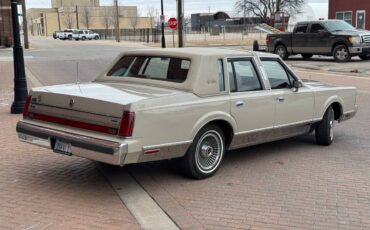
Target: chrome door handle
<point x="239" y="103"/>
<point x="280" y="99"/>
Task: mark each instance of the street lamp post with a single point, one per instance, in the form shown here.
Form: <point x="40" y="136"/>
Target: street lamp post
<point x="20" y="83"/>
<point x="162" y="21"/>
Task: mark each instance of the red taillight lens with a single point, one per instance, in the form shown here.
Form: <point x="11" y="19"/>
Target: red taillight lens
<point x="127" y="124"/>
<point x="267" y="39"/>
<point x="25" y="108"/>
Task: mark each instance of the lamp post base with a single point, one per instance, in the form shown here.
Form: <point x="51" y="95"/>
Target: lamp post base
<point x="17" y="107"/>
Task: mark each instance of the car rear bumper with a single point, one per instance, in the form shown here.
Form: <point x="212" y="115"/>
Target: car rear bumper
<point x="360" y="50"/>
<point x="87" y="147"/>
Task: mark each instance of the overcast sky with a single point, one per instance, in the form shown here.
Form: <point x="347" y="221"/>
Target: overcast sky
<point x="191" y="6"/>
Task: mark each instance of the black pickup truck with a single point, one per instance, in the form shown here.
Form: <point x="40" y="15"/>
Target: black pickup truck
<point x="334" y="38"/>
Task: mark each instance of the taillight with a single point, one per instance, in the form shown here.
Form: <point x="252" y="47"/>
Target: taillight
<point x="25" y="108"/>
<point x="127" y="124"/>
<point x="267" y="40"/>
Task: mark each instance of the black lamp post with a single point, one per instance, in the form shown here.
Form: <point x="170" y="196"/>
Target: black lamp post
<point x="162" y="19"/>
<point x="20" y="83"/>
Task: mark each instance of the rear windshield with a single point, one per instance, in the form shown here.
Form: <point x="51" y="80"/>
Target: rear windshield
<point x="151" y="67"/>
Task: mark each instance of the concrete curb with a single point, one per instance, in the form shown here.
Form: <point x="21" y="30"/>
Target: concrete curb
<point x="146" y="211"/>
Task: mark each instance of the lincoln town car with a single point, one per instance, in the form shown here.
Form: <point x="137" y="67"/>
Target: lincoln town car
<point x="193" y="104"/>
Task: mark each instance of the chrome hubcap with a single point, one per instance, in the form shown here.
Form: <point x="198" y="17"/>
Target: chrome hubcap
<point x="331" y="130"/>
<point x="209" y="151"/>
<point x="342" y="54"/>
<point x="280" y="52"/>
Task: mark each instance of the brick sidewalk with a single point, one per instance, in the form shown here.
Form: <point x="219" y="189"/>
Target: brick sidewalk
<point x="40" y="189"/>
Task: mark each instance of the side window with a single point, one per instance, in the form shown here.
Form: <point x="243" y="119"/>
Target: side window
<point x="244" y="76"/>
<point x="279" y="78"/>
<point x="301" y="29"/>
<point x="221" y="77"/>
<point x="315" y="28"/>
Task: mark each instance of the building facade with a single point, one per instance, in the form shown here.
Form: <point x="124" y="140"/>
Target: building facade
<point x="355" y="12"/>
<point x="83" y="14"/>
<point x="6" y="33"/>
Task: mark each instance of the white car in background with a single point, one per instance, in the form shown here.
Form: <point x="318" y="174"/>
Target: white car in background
<point x="85" y="34"/>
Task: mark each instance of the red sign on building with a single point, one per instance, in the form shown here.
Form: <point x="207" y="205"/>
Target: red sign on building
<point x="354" y="12"/>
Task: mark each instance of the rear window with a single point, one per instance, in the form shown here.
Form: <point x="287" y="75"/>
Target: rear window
<point x="157" y="68"/>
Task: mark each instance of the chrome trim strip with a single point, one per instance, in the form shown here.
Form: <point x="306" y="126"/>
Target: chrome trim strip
<point x="166" y="151"/>
<point x="294" y="123"/>
<point x="83" y="146"/>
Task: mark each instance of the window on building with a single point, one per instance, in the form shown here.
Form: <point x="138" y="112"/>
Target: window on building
<point x="360" y="19"/>
<point x="346" y="16"/>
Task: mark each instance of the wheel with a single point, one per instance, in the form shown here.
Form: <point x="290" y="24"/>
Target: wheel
<point x="96" y="37"/>
<point x="83" y="38"/>
<point x="307" y="56"/>
<point x="69" y="37"/>
<point x="282" y="52"/>
<point x="90" y="38"/>
<point x="324" y="132"/>
<point x="341" y="53"/>
<point x="364" y="56"/>
<point x="205" y="154"/>
<point x="77" y="39"/>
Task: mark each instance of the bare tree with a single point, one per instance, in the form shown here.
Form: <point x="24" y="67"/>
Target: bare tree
<point x="69" y="19"/>
<point x="187" y="21"/>
<point x="264" y="8"/>
<point x="134" y="19"/>
<point x="86" y="17"/>
<point x="107" y="19"/>
<point x="152" y="16"/>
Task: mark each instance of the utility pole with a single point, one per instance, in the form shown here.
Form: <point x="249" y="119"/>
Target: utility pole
<point x="162" y="22"/>
<point x="78" y="26"/>
<point x="20" y="83"/>
<point x="118" y="34"/>
<point x="180" y="17"/>
<point x="58" y="18"/>
<point x="25" y="25"/>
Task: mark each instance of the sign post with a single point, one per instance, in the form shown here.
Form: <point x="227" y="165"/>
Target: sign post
<point x="172" y="24"/>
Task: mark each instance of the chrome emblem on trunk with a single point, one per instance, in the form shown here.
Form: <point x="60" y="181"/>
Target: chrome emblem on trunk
<point x="71" y="102"/>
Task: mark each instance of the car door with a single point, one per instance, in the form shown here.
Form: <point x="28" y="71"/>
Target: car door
<point x="251" y="105"/>
<point x="292" y="108"/>
<point x="299" y="37"/>
<point x="319" y="40"/>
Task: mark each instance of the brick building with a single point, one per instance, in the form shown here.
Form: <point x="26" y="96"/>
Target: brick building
<point x="354" y="12"/>
<point x="6" y="32"/>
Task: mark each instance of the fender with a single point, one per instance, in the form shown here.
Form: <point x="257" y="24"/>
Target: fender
<point x="328" y="102"/>
<point x="212" y="116"/>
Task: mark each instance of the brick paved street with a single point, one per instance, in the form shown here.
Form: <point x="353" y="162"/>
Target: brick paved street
<point x="42" y="190"/>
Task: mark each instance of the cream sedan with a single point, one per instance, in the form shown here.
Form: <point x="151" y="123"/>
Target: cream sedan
<point x="190" y="103"/>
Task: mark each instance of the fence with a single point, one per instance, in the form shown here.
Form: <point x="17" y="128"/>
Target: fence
<point x="203" y="34"/>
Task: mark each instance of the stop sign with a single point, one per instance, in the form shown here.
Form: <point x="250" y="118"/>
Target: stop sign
<point x="172" y="23"/>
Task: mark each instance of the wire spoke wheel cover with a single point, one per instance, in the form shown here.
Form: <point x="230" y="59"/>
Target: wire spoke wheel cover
<point x="208" y="151"/>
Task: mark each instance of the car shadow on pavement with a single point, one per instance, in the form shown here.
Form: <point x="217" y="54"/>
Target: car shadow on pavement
<point x="321" y="59"/>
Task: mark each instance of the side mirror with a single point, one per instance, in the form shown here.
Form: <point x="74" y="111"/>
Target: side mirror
<point x="296" y="85"/>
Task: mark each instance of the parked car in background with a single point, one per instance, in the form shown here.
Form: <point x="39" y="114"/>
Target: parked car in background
<point x="190" y="103"/>
<point x="85" y="34"/>
<point x="58" y="34"/>
<point x="66" y="34"/>
<point x="334" y="38"/>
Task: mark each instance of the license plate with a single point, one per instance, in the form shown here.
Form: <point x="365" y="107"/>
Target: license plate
<point x="62" y="147"/>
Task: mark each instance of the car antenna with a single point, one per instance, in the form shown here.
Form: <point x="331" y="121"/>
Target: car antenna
<point x="77" y="78"/>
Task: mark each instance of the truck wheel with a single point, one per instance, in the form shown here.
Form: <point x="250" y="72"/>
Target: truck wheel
<point x="96" y="38"/>
<point x="205" y="154"/>
<point x="307" y="56"/>
<point x="282" y="52"/>
<point x="325" y="130"/>
<point x="69" y="37"/>
<point x="364" y="56"/>
<point x="341" y="53"/>
<point x="83" y="38"/>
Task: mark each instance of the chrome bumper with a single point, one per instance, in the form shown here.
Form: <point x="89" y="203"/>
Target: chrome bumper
<point x="359" y="50"/>
<point x="87" y="147"/>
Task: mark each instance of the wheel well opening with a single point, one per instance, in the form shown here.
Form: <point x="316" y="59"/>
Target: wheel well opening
<point x="278" y="44"/>
<point x="337" y="44"/>
<point x="337" y="110"/>
<point x="227" y="129"/>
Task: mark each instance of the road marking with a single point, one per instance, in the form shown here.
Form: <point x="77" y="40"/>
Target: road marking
<point x="10" y="58"/>
<point x="146" y="211"/>
<point x="333" y="75"/>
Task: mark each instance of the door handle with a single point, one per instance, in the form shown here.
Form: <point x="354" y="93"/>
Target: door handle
<point x="239" y="103"/>
<point x="280" y="99"/>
